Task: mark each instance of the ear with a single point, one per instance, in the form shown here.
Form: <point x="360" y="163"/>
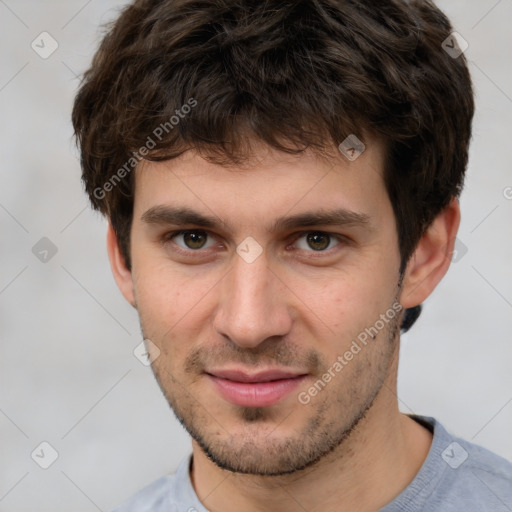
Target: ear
<point x="122" y="274"/>
<point x="432" y="257"/>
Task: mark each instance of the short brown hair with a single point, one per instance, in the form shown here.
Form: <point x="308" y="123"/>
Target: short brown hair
<point x="294" y="74"/>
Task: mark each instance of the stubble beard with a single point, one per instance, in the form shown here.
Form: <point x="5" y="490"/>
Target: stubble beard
<point x="256" y="447"/>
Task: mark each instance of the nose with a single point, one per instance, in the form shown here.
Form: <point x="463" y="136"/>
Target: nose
<point x="252" y="304"/>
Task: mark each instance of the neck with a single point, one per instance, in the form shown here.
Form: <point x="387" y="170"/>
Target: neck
<point x="365" y="472"/>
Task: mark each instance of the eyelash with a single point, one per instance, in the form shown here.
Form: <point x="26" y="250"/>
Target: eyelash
<point x="168" y="237"/>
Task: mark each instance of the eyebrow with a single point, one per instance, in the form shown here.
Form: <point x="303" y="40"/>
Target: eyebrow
<point x="181" y="216"/>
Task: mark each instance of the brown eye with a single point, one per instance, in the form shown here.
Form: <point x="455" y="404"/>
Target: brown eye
<point x="191" y="239"/>
<point x="194" y="240"/>
<point x="318" y="241"/>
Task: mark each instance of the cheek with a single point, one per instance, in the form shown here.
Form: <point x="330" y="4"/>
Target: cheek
<point x="172" y="304"/>
<point x="347" y="302"/>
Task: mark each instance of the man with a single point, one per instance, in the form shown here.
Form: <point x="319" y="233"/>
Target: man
<point x="281" y="184"/>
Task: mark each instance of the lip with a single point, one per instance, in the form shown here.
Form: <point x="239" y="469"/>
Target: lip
<point x="260" y="389"/>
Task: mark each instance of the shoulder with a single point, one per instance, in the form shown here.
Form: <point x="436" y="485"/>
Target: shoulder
<point x="169" y="493"/>
<point x="460" y="475"/>
<point x="154" y="497"/>
<point x="482" y="474"/>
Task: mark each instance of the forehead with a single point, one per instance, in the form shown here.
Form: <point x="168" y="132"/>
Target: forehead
<point x="270" y="183"/>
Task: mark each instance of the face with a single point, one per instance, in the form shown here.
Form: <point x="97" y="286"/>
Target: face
<point x="271" y="292"/>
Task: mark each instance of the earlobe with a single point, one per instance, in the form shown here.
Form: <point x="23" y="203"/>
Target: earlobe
<point x="432" y="257"/>
<point x="120" y="271"/>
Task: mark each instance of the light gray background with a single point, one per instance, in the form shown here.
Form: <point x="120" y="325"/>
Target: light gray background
<point x="67" y="372"/>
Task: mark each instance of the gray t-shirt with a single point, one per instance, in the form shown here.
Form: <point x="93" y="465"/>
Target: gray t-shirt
<point x="457" y="476"/>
